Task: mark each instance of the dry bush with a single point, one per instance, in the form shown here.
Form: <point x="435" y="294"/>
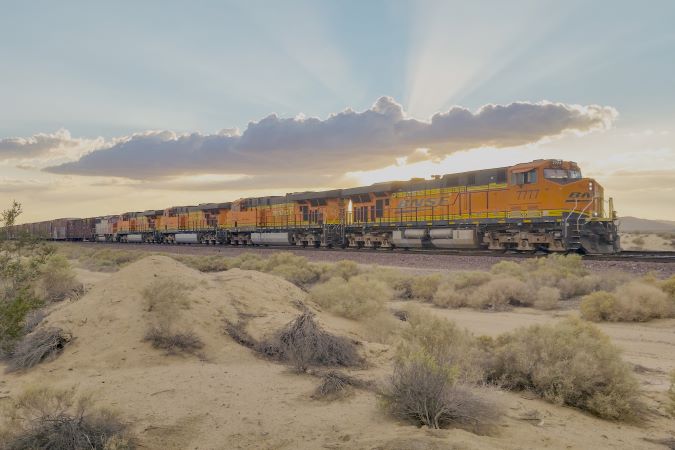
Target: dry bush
<point x="424" y="392"/>
<point x="43" y="418"/>
<point x="668" y="286"/>
<point x="41" y="345"/>
<point x="304" y="343"/>
<point x="571" y="363"/>
<point x="399" y="282"/>
<point x="445" y="343"/>
<point x="360" y="297"/>
<point x="166" y="296"/>
<point x="32" y="320"/>
<point x="500" y="294"/>
<point x="598" y="306"/>
<point x="566" y="273"/>
<point x="456" y="290"/>
<point x="173" y="342"/>
<point x="547" y="298"/>
<point x="237" y="331"/>
<point x="293" y="268"/>
<point x="424" y="287"/>
<point x="383" y="328"/>
<point x="342" y="269"/>
<point x="335" y="385"/>
<point x="58" y="280"/>
<point x="248" y="261"/>
<point x="205" y="263"/>
<point x="633" y="302"/>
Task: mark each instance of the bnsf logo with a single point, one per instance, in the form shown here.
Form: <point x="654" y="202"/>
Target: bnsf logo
<point x="579" y="195"/>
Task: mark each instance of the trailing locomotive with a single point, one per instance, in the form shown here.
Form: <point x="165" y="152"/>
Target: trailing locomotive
<point x="541" y="205"/>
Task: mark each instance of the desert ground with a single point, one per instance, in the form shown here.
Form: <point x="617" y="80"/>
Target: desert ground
<point x="227" y="396"/>
<point x="648" y="241"/>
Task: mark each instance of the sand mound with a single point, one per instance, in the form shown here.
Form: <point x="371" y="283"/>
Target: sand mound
<point x="110" y="321"/>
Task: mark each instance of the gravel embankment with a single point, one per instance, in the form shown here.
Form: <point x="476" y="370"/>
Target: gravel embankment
<point x="415" y="261"/>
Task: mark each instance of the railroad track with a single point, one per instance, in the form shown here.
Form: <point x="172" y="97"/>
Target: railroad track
<point x="628" y="255"/>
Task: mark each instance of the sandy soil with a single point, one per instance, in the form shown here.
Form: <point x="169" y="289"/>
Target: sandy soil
<point x="648" y="241"/>
<point x="229" y="398"/>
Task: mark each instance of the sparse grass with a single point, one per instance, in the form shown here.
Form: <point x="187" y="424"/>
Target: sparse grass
<point x="335" y="385"/>
<point x="303" y="343"/>
<point x="41" y="345"/>
<point x="384" y="327"/>
<point x="638" y="241"/>
<point x="636" y="301"/>
<point x="173" y="343"/>
<point x="571" y="363"/>
<point x="43" y="418"/>
<point x="360" y="297"/>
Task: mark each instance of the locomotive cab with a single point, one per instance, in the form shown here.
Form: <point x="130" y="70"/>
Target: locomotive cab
<point x="559" y="190"/>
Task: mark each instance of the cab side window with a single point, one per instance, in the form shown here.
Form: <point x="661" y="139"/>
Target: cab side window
<point x="524" y="177"/>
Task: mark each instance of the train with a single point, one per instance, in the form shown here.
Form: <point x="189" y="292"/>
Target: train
<point x="542" y="205"/>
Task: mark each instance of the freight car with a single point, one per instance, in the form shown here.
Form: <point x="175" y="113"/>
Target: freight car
<point x="541" y="205"/>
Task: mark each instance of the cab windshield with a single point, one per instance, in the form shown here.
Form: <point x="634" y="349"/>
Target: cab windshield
<point x="559" y="174"/>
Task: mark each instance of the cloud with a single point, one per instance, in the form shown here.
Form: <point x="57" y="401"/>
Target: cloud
<point x="46" y="146"/>
<point x="343" y="142"/>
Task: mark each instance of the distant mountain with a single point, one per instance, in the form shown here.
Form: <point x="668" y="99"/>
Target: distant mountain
<point x="630" y="224"/>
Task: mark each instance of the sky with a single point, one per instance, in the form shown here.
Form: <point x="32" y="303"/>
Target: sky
<point x="125" y="106"/>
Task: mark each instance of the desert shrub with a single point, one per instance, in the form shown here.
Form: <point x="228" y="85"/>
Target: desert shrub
<point x="41" y="345"/>
<point x="336" y="385"/>
<point x="248" y="261"/>
<point x="547" y="298"/>
<point x="295" y="269"/>
<point x="49" y="419"/>
<point x="165" y="296"/>
<point x="58" y="279"/>
<point x="173" y="342"/>
<point x="668" y="286"/>
<point x="399" y="282"/>
<point x="571" y="363"/>
<point x="457" y="289"/>
<point x="237" y="331"/>
<point x="423" y="392"/>
<point x="509" y="269"/>
<point x="304" y="343"/>
<point x="423" y="287"/>
<point x="445" y="343"/>
<point x="32" y="320"/>
<point x="342" y="269"/>
<point x="205" y="263"/>
<point x="383" y="328"/>
<point x="502" y="293"/>
<point x="360" y="297"/>
<point x="21" y="262"/>
<point x="633" y="302"/>
<point x="598" y="306"/>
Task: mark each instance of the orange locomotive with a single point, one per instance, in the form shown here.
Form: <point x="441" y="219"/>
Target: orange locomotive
<point x="540" y="205"/>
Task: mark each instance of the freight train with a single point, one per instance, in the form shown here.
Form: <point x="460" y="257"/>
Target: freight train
<point x="543" y="205"/>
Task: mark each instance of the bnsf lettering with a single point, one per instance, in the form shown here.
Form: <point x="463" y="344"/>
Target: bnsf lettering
<point x="423" y="202"/>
